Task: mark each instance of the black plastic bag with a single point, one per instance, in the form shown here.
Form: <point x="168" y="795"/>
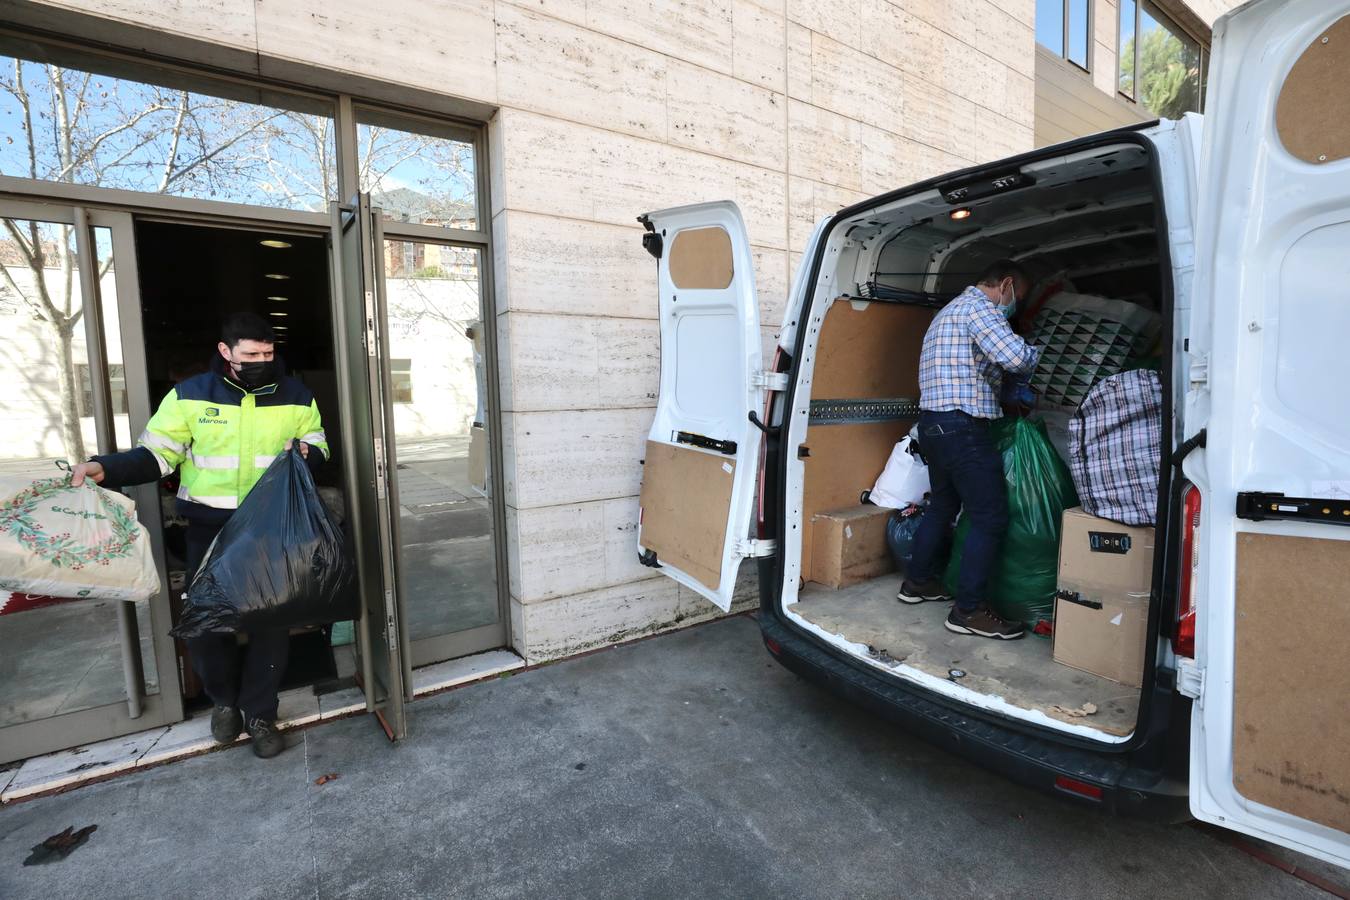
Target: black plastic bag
<point x="279" y="562"/>
<point x="901" y="528"/>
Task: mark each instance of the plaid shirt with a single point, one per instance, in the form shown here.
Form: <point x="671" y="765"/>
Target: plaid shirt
<point x="965" y="352"/>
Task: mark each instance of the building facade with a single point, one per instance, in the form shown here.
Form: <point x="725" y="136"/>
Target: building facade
<point x="584" y="114"/>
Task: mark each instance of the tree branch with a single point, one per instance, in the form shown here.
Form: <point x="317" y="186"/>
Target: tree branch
<point x="87" y="154"/>
<point x="26" y="102"/>
<point x="176" y="136"/>
<point x="207" y="157"/>
<point x="42" y="305"/>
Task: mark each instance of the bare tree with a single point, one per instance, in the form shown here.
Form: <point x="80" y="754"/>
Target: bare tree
<point x="77" y="127"/>
<point x="83" y="128"/>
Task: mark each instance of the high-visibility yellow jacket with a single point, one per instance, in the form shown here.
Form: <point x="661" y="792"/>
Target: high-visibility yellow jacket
<point x="221" y="437"/>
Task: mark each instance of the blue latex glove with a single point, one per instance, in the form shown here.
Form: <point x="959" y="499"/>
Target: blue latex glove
<point x="1017" y="391"/>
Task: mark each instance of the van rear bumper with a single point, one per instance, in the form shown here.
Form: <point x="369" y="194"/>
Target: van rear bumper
<point x="1126" y="790"/>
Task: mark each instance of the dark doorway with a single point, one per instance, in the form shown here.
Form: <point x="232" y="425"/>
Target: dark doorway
<point x="191" y="278"/>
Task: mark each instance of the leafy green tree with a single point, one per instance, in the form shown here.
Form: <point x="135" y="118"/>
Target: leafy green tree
<point x="1168" y="78"/>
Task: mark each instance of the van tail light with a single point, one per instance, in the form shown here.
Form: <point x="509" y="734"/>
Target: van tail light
<point x="761" y="526"/>
<point x="1080" y="788"/>
<point x="1183" y="641"/>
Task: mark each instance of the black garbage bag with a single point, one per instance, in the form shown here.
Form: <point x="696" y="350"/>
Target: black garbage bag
<point x="901" y="528"/>
<point x="279" y="562"/>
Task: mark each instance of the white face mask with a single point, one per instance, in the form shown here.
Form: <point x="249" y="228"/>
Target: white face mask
<point x="1012" y="304"/>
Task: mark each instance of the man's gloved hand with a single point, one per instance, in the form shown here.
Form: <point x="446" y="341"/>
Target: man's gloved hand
<point x="1017" y="391"/>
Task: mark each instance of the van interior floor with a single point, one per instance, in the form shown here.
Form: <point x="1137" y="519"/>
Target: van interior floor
<point x="1021" y="672"/>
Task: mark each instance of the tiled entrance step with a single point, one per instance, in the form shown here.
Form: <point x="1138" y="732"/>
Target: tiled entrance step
<point x="190" y="737"/>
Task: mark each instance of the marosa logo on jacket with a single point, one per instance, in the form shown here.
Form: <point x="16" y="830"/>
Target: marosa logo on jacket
<point x="211" y="417"/>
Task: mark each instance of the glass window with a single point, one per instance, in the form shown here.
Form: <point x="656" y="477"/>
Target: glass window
<point x="401" y="373"/>
<point x="117" y="385"/>
<point x="418" y="171"/>
<point x="1050" y="25"/>
<point x="1064" y="27"/>
<point x="1161" y="66"/>
<point x="76" y="118"/>
<point x="434" y="326"/>
<point x="1078" y="33"/>
<point x="56" y="656"/>
<point x="1128" y="15"/>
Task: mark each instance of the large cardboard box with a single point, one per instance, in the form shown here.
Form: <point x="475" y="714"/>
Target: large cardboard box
<point x="849" y="545"/>
<point x="1101" y="607"/>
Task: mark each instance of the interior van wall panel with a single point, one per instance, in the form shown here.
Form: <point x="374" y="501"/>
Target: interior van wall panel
<point x="866" y="351"/>
<point x="845" y="460"/>
<point x="869" y="350"/>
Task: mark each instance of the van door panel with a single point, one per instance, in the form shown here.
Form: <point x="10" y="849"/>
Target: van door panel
<point x="698" y="476"/>
<point x="1267" y="335"/>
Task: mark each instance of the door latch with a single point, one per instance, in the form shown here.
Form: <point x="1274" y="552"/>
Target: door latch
<point x="1190" y="678"/>
<point x="1256" y="506"/>
<point x="380" y="491"/>
<point x="707" y="443"/>
<point x="755" y="548"/>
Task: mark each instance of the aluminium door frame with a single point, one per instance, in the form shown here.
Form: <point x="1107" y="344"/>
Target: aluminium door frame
<point x="437" y="648"/>
<point x="138" y="710"/>
<point x="214" y="213"/>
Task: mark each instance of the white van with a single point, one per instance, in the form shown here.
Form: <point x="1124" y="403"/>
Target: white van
<point x="1240" y="243"/>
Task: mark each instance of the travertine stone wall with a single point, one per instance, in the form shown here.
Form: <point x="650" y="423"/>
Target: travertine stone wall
<point x="610" y="108"/>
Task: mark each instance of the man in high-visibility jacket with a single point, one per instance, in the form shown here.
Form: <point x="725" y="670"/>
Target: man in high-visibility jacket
<point x="221" y="430"/>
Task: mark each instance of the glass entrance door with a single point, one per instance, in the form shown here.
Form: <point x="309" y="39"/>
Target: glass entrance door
<point x="363" y="386"/>
<point x="441" y="485"/>
<point x="72" y="383"/>
<point x="415" y="352"/>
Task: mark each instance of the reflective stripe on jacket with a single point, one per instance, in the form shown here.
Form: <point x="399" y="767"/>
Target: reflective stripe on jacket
<point x="222" y="437"/>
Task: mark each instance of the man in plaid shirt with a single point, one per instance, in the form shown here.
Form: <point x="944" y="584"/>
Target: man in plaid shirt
<point x="968" y="348"/>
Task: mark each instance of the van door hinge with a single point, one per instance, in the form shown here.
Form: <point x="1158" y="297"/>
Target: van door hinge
<point x="1190" y="678"/>
<point x="770" y="381"/>
<point x="754" y="548"/>
<point x="1199" y="376"/>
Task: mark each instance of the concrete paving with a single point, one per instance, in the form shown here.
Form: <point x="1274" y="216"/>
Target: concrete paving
<point x="689" y="765"/>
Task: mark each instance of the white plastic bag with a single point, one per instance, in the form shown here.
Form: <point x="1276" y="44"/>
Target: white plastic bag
<point x="77" y="542"/>
<point x="903" y="481"/>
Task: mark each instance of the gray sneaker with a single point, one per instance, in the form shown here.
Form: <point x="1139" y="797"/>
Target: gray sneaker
<point x="226" y="723"/>
<point x="929" y="591"/>
<point x="267" y="741"/>
<point x="984" y="622"/>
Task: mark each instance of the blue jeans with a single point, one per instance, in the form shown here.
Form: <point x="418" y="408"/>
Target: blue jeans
<point x="966" y="472"/>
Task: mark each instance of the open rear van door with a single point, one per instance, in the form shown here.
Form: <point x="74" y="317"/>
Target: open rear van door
<point x="1270" y="332"/>
<point x="698" y="478"/>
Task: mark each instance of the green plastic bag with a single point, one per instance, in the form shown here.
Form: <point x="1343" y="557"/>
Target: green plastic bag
<point x="1022" y="585"/>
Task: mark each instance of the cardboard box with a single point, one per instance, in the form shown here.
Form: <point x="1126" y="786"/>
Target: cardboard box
<point x="1101" y="607"/>
<point x="849" y="545"/>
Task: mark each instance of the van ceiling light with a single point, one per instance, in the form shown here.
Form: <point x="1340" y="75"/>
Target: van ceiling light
<point x="279" y="245"/>
<point x="278" y="314"/>
<point x="279" y="299"/>
<point x="276" y="277"/>
<point x="959" y="214"/>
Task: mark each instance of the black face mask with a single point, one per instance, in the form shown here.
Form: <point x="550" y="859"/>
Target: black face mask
<point x="257" y="374"/>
